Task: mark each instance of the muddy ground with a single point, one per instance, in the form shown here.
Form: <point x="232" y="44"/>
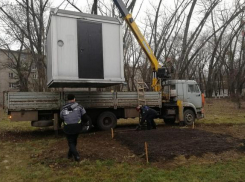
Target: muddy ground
<point x="167" y="146"/>
<point x="168" y="143"/>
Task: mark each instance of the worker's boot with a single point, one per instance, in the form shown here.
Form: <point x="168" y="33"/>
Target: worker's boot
<point x="182" y="123"/>
<point x="69" y="155"/>
<point x="138" y="128"/>
<point x="148" y="124"/>
<point x="154" y="125"/>
<point x="77" y="158"/>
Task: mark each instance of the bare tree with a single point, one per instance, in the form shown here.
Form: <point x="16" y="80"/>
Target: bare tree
<point x="228" y="17"/>
<point x="20" y="67"/>
<point x="74" y="5"/>
<point x="189" y="43"/>
<point x="26" y="18"/>
<point x="95" y="7"/>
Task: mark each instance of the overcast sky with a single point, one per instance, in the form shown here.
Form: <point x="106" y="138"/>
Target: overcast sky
<point x="82" y="4"/>
<point x="143" y="5"/>
<point x="145" y="8"/>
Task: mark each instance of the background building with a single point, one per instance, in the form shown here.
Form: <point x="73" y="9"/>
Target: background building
<point x="9" y="79"/>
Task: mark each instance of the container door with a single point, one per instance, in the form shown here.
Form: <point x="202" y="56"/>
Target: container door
<point x="194" y="95"/>
<point x="90" y="50"/>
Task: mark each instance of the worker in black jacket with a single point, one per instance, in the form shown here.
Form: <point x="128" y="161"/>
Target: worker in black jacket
<point x="73" y="115"/>
<point x="147" y="114"/>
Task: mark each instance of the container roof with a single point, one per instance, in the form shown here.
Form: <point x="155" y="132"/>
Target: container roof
<point x="82" y="15"/>
<point x="79" y="15"/>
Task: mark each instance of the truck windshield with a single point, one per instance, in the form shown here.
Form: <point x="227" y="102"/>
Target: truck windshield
<point x="193" y="88"/>
<point x="172" y="87"/>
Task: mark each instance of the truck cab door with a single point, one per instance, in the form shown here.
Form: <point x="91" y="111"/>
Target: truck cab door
<point x="194" y="95"/>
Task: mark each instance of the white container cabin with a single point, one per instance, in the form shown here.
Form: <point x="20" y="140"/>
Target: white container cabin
<point x="83" y="50"/>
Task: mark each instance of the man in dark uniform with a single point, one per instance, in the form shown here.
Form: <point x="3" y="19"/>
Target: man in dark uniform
<point x="73" y="114"/>
<point x="147" y="114"/>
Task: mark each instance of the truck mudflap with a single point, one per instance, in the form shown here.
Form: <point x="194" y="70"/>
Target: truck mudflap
<point x="200" y="115"/>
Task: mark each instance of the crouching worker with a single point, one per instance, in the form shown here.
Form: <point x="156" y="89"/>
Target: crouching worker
<point x="147" y="114"/>
<point x="73" y="115"/>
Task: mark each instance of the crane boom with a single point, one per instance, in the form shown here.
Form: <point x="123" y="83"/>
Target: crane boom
<point x="138" y="35"/>
<point x="158" y="71"/>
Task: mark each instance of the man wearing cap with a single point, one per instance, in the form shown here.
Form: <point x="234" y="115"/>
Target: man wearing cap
<point x="147" y="114"/>
<point x="73" y="114"/>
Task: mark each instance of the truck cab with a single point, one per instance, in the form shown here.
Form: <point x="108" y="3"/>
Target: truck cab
<point x="186" y="91"/>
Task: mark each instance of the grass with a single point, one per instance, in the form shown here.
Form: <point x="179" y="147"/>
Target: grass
<point x="20" y="167"/>
<point x="223" y="111"/>
<point x="18" y="161"/>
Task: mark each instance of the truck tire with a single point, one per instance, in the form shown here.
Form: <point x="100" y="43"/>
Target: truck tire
<point x="106" y="121"/>
<point x="42" y="123"/>
<point x="169" y="121"/>
<point x="189" y="117"/>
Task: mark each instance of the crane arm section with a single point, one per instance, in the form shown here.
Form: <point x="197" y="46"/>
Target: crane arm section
<point x="138" y="35"/>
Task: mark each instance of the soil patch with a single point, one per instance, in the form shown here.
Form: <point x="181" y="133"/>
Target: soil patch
<point x="166" y="143"/>
<point x="93" y="146"/>
<point x="24" y="136"/>
<point x="236" y="131"/>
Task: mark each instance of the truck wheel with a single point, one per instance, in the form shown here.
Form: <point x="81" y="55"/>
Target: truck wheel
<point x="189" y="117"/>
<point x="42" y="123"/>
<point x="169" y="121"/>
<point x="106" y="121"/>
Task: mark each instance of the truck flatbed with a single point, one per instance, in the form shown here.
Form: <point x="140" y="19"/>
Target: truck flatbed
<point x="28" y="101"/>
